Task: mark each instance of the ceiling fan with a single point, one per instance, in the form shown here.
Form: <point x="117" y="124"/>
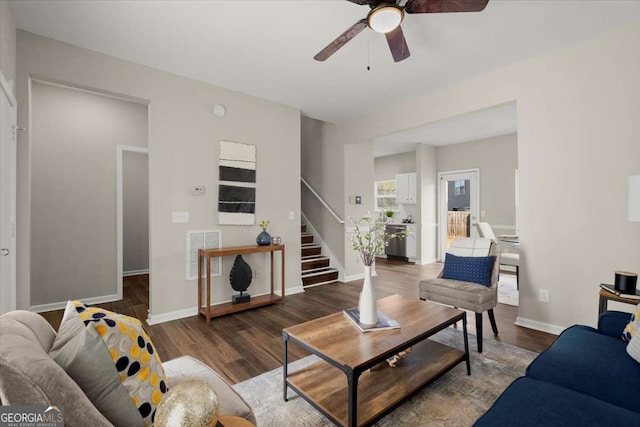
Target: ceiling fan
<point x="385" y="17"/>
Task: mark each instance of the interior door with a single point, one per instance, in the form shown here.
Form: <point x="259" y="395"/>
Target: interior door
<point x="7" y="198"/>
<point x="458" y="206"/>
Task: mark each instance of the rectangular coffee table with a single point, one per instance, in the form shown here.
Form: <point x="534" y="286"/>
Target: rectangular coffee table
<point x="362" y="397"/>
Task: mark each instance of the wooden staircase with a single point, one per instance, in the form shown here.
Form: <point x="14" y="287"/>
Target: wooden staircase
<point x="315" y="266"/>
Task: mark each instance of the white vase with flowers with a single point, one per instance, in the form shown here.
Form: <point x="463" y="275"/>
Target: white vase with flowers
<point x="369" y="239"/>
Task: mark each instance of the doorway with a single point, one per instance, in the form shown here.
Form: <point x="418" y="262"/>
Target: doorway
<point x="458" y="206"/>
<point x="132" y="227"/>
<point x="74" y="133"/>
<point x="8" y="128"/>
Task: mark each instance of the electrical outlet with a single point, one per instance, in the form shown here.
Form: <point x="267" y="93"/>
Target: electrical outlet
<point x="543" y="295"/>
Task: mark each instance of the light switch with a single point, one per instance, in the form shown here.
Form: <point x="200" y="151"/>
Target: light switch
<point x="180" y="217"/>
<point x="292" y="215"/>
<point x="483" y="214"/>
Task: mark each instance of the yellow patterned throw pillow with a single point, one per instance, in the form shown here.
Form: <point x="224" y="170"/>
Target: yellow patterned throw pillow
<point x="112" y="359"/>
<point x="633" y="326"/>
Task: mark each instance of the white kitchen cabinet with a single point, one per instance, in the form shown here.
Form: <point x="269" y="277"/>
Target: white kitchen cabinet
<point x="406" y="189"/>
<point x="412" y="241"/>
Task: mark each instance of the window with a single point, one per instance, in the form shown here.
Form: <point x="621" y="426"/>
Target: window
<point x="459" y="187"/>
<point x="385" y="195"/>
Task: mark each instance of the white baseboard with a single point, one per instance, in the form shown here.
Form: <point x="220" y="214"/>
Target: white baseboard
<point x="135" y="272"/>
<point x="539" y="326"/>
<point x="154" y="319"/>
<point x="426" y="261"/>
<point x="41" y="308"/>
<point x="293" y="291"/>
<point x="358" y="276"/>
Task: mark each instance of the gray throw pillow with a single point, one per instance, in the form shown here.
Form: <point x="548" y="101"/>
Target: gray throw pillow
<point x="112" y="359"/>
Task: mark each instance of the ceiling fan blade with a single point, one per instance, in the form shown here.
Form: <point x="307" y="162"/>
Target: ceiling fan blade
<point x="341" y="40"/>
<point x="443" y="6"/>
<point x="397" y="44"/>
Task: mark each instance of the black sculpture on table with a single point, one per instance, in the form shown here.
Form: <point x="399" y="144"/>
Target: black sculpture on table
<point x="240" y="279"/>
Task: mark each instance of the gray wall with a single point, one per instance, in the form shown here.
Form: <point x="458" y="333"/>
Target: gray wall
<point x="183" y="152"/>
<point x="74" y="135"/>
<point x="497" y="159"/>
<point x="387" y="167"/>
<point x="135" y="212"/>
<point x="426" y="187"/>
<point x="358" y="173"/>
<point x="570" y="103"/>
<point x="321" y="152"/>
<point x="7" y="44"/>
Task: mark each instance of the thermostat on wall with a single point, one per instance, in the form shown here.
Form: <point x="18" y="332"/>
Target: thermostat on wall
<point x="197" y="190"/>
<point x="355" y="200"/>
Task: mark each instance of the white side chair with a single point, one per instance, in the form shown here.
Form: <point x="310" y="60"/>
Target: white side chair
<point x="513" y="260"/>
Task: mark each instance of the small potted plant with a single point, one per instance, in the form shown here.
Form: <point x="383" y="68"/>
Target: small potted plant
<point x="389" y="214"/>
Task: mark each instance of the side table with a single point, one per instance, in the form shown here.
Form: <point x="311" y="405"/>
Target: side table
<point x="606" y="296"/>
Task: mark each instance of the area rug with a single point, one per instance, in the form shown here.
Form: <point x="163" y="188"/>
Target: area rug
<point x="455" y="399"/>
<point x="508" y="290"/>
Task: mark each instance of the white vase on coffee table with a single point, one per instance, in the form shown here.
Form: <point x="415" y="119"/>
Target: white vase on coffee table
<point x="367" y="305"/>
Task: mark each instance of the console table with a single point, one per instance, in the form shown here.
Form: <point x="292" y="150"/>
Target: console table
<point x="205" y="255"/>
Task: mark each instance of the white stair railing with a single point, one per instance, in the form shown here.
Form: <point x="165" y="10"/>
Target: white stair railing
<point x="335" y="215"/>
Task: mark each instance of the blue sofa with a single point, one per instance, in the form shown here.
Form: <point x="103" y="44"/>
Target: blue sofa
<point x="584" y="378"/>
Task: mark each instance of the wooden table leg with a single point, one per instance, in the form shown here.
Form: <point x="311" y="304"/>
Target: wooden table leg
<point x="272" y="273"/>
<point x="199" y="282"/>
<point x="208" y="310"/>
<point x="282" y="272"/>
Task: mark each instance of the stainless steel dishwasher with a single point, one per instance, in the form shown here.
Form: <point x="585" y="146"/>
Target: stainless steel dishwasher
<point x="397" y="248"/>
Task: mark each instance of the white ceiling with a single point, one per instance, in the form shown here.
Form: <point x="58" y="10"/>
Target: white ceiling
<point x="266" y="48"/>
<point x="494" y="121"/>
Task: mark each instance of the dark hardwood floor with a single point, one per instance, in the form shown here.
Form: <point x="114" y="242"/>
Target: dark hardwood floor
<point x="243" y="345"/>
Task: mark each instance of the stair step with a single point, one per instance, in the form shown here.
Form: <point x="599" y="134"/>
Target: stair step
<point x="309" y="272"/>
<point x="308" y="250"/>
<point x="303" y="228"/>
<point x="313" y="258"/>
<point x="305" y="258"/>
<point x="319" y="276"/>
<point x="315" y="263"/>
<point x="306" y="238"/>
<point x="319" y="271"/>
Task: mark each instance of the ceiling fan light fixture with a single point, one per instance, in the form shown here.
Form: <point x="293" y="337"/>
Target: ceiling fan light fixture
<point x="385" y="18"/>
